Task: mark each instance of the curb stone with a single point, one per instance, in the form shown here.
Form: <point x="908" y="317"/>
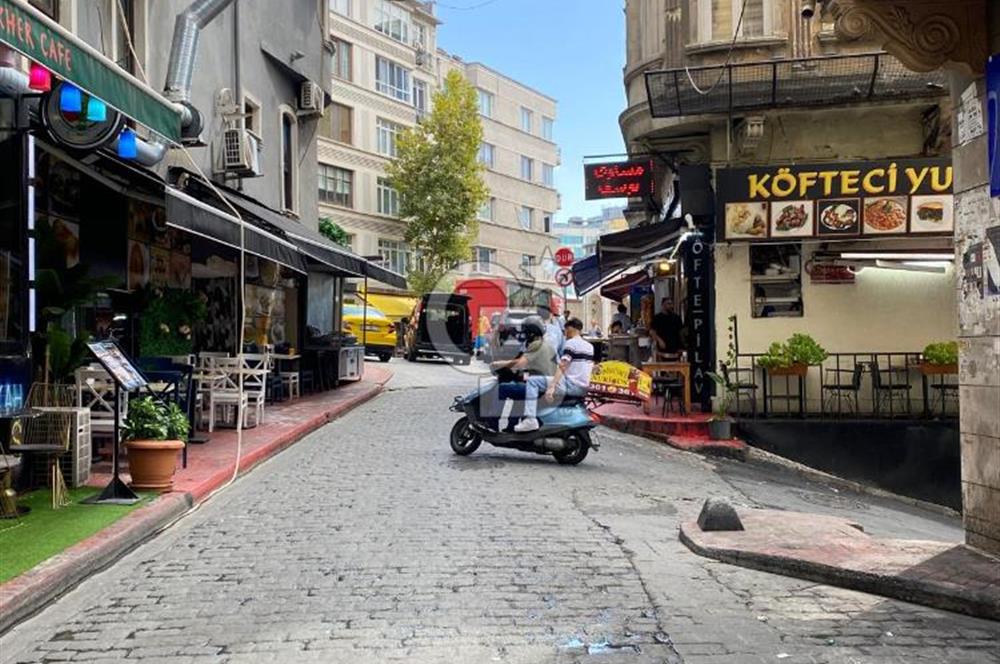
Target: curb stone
<point x="30" y="592"/>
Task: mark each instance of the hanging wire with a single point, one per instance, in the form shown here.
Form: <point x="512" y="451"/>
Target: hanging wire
<point x="729" y="55"/>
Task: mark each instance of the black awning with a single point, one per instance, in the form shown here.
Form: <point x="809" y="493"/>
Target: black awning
<point x="586" y="274"/>
<point x="316" y="246"/>
<point x="190" y="214"/>
<point x="617" y="251"/>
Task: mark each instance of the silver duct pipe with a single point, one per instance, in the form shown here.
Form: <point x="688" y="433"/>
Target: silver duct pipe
<point x="13" y="81"/>
<point x="148" y="153"/>
<point x="184" y="50"/>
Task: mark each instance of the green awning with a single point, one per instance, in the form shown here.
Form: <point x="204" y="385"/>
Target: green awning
<point x="41" y="39"/>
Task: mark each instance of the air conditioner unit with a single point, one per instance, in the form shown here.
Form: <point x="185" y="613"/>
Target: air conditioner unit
<point x="240" y="153"/>
<point x="310" y="99"/>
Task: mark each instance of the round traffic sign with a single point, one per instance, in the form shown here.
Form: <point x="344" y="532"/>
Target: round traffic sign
<point x="564" y="277"/>
<point x="564" y="257"/>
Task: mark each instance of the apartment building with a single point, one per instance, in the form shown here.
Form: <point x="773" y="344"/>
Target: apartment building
<point x="386" y="68"/>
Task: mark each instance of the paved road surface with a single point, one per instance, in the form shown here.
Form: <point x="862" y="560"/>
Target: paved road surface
<point x="370" y="542"/>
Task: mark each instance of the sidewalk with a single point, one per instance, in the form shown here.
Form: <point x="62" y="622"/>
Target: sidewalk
<point x="209" y="467"/>
<point x="835" y="551"/>
<point x="685" y="432"/>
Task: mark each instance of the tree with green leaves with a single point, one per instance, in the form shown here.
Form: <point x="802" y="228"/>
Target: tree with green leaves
<point x="440" y="183"/>
<point x="333" y="231"/>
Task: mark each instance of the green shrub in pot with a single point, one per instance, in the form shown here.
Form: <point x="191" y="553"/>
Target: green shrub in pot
<point x="798" y="349"/>
<point x="941" y="353"/>
<point x="155" y="433"/>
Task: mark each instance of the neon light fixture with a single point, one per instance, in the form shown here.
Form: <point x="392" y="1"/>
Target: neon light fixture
<point x="97" y="110"/>
<point x="127" y="148"/>
<point x="70" y="98"/>
<point x="39" y="78"/>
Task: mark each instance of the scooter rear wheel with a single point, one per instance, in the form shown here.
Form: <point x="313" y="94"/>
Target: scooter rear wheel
<point x="578" y="452"/>
<point x="464" y="440"/>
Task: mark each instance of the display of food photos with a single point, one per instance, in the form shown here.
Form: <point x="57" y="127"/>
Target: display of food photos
<point x="746" y="220"/>
<point x="932" y="214"/>
<point x="792" y="219"/>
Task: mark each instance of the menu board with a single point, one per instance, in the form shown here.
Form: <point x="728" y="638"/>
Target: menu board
<point x="117" y="364"/>
<point x="836" y="201"/>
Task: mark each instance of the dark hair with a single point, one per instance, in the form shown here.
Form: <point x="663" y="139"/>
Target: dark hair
<point x="575" y="323"/>
<point x="622" y="308"/>
<point x="617" y="324"/>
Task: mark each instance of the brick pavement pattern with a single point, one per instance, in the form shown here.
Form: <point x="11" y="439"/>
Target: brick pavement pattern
<point x="369" y="541"/>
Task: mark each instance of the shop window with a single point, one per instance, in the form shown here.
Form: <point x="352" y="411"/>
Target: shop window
<point x="336" y="185"/>
<point x="776" y="281"/>
<point x="342" y="60"/>
<point x="338" y="124"/>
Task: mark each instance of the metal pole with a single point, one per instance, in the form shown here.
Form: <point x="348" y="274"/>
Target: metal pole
<point x="364" y="315"/>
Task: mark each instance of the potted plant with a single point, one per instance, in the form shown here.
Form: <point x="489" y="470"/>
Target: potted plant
<point x="154" y="433"/>
<point x="720" y="427"/>
<point x="793" y="357"/>
<point x="940" y="358"/>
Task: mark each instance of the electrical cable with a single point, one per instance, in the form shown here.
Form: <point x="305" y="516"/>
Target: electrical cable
<point x="242" y="277"/>
<point x="729" y="55"/>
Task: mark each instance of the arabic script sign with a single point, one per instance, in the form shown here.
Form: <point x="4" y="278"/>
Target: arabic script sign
<point x="620" y="179"/>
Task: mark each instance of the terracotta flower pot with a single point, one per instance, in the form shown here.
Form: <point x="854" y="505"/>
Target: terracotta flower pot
<point x="152" y="463"/>
<point x="793" y="370"/>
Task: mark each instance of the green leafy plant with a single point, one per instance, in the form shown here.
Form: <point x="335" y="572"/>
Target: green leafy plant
<point x="334" y="232"/>
<point x="167" y="320"/>
<point x="149" y="419"/>
<point x="440" y="183"/>
<point x="941" y="353"/>
<point x="723" y="396"/>
<point x="798" y="349"/>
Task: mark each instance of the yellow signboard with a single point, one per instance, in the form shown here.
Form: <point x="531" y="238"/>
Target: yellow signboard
<point x="621" y="379"/>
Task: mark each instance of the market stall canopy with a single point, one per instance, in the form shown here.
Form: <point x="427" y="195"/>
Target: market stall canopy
<point x="39" y="38"/>
<point x="820" y="81"/>
<point x="616" y="252"/>
<point x="194" y="216"/>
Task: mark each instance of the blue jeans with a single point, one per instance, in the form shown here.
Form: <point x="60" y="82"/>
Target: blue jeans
<point x="536" y="385"/>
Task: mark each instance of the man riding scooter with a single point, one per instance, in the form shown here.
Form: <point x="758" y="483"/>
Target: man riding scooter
<point x="537" y="361"/>
<point x="572" y="377"/>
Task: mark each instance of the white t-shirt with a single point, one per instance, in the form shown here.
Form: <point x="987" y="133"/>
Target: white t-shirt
<point x="580" y="354"/>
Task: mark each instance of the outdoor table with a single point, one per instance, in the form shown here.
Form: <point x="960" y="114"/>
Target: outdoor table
<point x="280" y="362"/>
<point x="939" y="370"/>
<point x="799" y="373"/>
<point x="678" y="367"/>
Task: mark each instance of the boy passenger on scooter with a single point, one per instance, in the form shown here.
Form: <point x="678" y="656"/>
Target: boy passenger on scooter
<point x="537" y="360"/>
<point x="572" y="377"/>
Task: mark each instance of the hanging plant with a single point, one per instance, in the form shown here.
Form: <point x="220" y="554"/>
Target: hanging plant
<point x="167" y="321"/>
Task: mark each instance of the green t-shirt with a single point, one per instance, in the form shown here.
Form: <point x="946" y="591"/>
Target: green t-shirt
<point x="541" y="358"/>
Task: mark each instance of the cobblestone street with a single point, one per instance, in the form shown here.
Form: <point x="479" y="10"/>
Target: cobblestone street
<point x="370" y="541"/>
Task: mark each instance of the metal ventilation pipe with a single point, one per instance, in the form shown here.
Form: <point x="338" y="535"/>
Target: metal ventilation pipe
<point x="13" y="81"/>
<point x="183" y="51"/>
<point x="147" y="153"/>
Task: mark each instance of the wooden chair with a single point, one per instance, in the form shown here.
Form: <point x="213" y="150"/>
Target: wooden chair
<point x="255" y="368"/>
<point x="223" y="389"/>
<point x="95" y="390"/>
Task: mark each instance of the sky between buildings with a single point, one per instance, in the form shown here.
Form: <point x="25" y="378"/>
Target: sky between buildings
<point x="572" y="50"/>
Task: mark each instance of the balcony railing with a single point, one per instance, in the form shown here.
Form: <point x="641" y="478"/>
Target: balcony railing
<point x="808" y="82"/>
<point x="862" y="385"/>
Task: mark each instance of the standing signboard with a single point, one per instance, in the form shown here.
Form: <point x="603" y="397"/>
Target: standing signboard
<point x="699" y="318"/>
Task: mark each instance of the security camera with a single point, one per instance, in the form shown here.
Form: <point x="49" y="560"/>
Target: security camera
<point x="808" y="8"/>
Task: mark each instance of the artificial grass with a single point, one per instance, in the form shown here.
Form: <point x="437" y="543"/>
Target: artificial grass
<point x="44" y="532"/>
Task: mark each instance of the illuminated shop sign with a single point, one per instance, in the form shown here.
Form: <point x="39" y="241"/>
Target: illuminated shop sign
<point x="620" y="179"/>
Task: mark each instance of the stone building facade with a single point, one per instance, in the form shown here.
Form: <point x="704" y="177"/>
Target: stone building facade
<point x="385" y="73"/>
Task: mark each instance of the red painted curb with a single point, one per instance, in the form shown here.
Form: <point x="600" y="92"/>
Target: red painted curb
<point x="28" y="593"/>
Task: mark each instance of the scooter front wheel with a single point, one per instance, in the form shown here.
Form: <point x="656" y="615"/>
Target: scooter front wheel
<point x="464" y="440"/>
<point x="580" y="445"/>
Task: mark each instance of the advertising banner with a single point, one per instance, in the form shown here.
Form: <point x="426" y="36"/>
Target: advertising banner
<point x="622" y="380"/>
<point x="836" y="201"/>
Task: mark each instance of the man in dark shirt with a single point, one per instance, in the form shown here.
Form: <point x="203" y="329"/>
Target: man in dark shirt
<point x="666" y="328"/>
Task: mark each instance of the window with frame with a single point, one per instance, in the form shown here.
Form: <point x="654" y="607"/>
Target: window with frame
<point x="547" y="223"/>
<point x="392" y="20"/>
<point x="251" y="116"/>
<point x="396" y="255"/>
<point x="386" y="133"/>
<point x="717" y="20"/>
<point x="776" y="295"/>
<point x="392" y="79"/>
<point x="343" y="59"/>
<point x="420" y="35"/>
<point x="289" y="163"/>
<point x="548" y="175"/>
<point x="548" y="128"/>
<point x="488" y="210"/>
<point x="528" y="263"/>
<point x="486" y="100"/>
<point x="420" y="96"/>
<point x="527" y="168"/>
<point x="338" y="124"/>
<point x="483" y="259"/>
<point x="526" y="119"/>
<point x="342" y="7"/>
<point x="336" y="185"/>
<point x="525" y="216"/>
<point x="48" y="7"/>
<point x="487" y="154"/>
<point x="388" y="198"/>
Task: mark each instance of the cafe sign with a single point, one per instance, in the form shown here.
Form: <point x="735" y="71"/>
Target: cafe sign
<point x="44" y="41"/>
<point x="620" y="179"/>
<point x="836" y="201"/>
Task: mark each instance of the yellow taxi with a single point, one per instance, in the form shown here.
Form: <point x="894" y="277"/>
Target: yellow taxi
<point x="378" y="332"/>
